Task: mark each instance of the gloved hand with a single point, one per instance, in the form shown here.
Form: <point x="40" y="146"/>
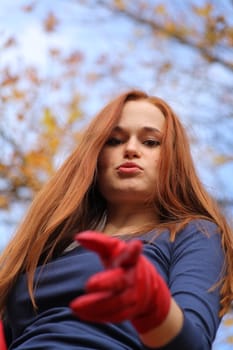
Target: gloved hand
<point x="2" y="337"/>
<point x="129" y="288"/>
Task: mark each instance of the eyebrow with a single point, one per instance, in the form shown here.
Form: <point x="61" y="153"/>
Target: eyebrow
<point x="144" y="128"/>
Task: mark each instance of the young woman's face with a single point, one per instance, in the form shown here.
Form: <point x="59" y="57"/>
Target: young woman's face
<point x="128" y="161"/>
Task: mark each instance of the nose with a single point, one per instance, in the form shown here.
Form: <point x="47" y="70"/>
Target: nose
<point x="132" y="149"/>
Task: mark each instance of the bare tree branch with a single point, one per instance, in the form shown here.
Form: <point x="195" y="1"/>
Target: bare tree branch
<point x="156" y="27"/>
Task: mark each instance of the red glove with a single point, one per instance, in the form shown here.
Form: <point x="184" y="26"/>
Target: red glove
<point x="129" y="289"/>
<point x="2" y="337"/>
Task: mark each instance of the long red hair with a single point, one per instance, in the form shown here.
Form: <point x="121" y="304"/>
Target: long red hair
<point x="65" y="204"/>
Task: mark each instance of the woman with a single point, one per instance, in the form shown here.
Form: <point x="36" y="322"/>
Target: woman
<point x="157" y="275"/>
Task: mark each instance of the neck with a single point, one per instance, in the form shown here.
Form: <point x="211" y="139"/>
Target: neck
<point x="123" y="220"/>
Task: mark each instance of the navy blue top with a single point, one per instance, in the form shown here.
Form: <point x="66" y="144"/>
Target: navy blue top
<point x="190" y="265"/>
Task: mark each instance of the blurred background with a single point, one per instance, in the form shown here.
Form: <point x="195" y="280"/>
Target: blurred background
<point x="62" y="60"/>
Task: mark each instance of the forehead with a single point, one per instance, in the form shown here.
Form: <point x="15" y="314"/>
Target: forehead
<point x="140" y="114"/>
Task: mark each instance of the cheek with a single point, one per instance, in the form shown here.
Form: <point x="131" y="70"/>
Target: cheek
<point x="103" y="163"/>
<point x="155" y="165"/>
<point x="157" y="155"/>
<point x="104" y="156"/>
<point x="106" y="159"/>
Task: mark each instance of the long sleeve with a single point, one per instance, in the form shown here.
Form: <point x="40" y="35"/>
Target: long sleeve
<point x="191" y="266"/>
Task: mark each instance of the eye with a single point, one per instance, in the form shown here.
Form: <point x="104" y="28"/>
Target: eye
<point x="151" y="143"/>
<point x="113" y="141"/>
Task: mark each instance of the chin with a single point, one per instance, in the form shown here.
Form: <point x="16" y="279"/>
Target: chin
<point x="129" y="195"/>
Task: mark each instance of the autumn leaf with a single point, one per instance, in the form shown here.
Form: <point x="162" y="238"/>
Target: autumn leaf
<point x="35" y="158"/>
<point x="222" y="159"/>
<point x="203" y="11"/>
<point x="230" y="35"/>
<point x="32" y="75"/>
<point x="119" y="4"/>
<point x="230" y="339"/>
<point x="4" y="203"/>
<point x="74" y="115"/>
<point x="18" y="94"/>
<point x="9" y="79"/>
<point x="50" y="22"/>
<point x="92" y="77"/>
<point x="3" y="167"/>
<point x="74" y="58"/>
<point x="29" y="7"/>
<point x="49" y="121"/>
<point x="35" y="162"/>
<point x="10" y="42"/>
<point x="228" y="322"/>
<point x="171" y="27"/>
<point x="160" y="9"/>
<point x="165" y="67"/>
<point x="20" y="116"/>
<point x="53" y="144"/>
<point x="54" y="52"/>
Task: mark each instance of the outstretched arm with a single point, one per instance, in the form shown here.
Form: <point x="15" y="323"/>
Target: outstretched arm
<point x="130" y="288"/>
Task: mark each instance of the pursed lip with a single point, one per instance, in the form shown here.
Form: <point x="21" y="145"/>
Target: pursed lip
<point x="128" y="165"/>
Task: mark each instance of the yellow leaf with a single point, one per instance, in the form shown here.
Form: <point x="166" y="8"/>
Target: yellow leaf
<point x="160" y="9"/>
<point x="49" y="120"/>
<point x="53" y="144"/>
<point x="171" y="27"/>
<point x="2" y="167"/>
<point x="230" y="35"/>
<point x="18" y="94"/>
<point x="211" y="37"/>
<point x="74" y="115"/>
<point x="221" y="159"/>
<point x="35" y="164"/>
<point x="120" y="4"/>
<point x="203" y="11"/>
<point x="230" y="339"/>
<point x="35" y="158"/>
<point x="228" y="322"/>
<point x="3" y="202"/>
